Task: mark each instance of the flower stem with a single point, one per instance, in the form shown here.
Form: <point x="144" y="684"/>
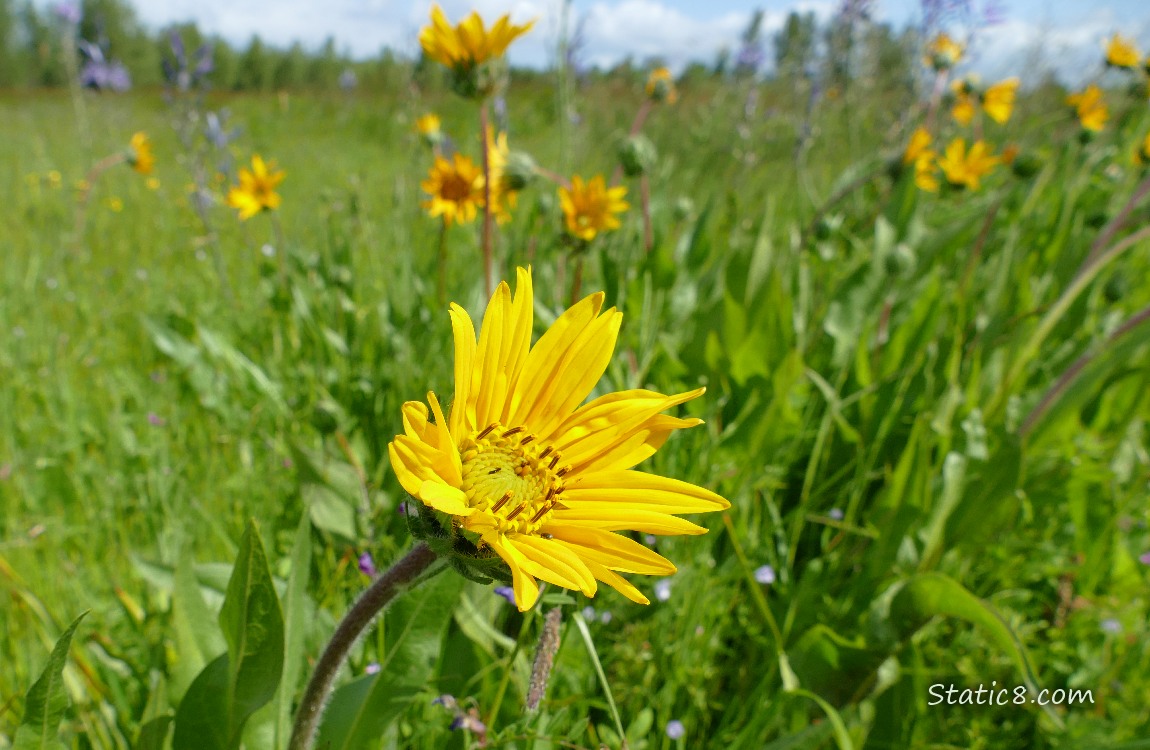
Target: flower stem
<point x="487" y="278"/>
<point x="443" y="263"/>
<point x="394" y="581"/>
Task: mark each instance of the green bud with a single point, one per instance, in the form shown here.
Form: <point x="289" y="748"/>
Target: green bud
<point x="684" y="208"/>
<point x="637" y="155"/>
<point x="519" y="172"/>
<point x="1026" y="165"/>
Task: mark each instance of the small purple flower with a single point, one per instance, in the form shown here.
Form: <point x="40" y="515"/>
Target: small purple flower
<point x="765" y="575"/>
<point x="1111" y="625"/>
<point x="506" y="592"/>
<point x="155" y="420"/>
<point x="372" y="668"/>
<point x="650" y="540"/>
<point x="447" y="701"/>
<point x="663" y="589"/>
<point x="836" y="514"/>
<point x="68" y="12"/>
<point x="675" y="729"/>
<point x="589" y="614"/>
<point x="1144" y="558"/>
<point x="367" y="565"/>
<point x="606" y="617"/>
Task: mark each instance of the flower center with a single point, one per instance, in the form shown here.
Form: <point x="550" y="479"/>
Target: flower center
<point x="456" y="188"/>
<point x="512" y="478"/>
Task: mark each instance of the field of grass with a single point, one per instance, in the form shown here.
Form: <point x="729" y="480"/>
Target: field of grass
<point x="929" y="413"/>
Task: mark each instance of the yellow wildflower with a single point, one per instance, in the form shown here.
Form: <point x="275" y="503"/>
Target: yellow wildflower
<point x="153" y="183"/>
<point x="1090" y="107"/>
<point x="503" y="197"/>
<point x="140" y="156"/>
<point x="925" y="172"/>
<point x="965" y="169"/>
<point x="55" y="179"/>
<point x="998" y="101"/>
<point x="590" y="207"/>
<point x="1121" y="52"/>
<point x="527" y="473"/>
<point x="661" y="86"/>
<point x="456" y="189"/>
<point x="115" y="204"/>
<point x="469" y="44"/>
<point x="964" y="109"/>
<point x="943" y="52"/>
<point x="428" y="125"/>
<point x="920" y="141"/>
<point x="256" y="191"/>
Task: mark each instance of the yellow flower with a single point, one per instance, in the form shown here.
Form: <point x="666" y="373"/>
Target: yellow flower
<point x="661" y="86"/>
<point x="469" y="44"/>
<point x="153" y="183"/>
<point x="965" y="169"/>
<point x="527" y="473"/>
<point x="919" y="143"/>
<point x="590" y="207"/>
<point x="925" y="174"/>
<point x="964" y="109"/>
<point x="503" y="198"/>
<point x="998" y="101"/>
<point x="256" y="191"/>
<point x="1090" y="107"/>
<point x="456" y="189"/>
<point x="140" y="155"/>
<point x="1010" y="153"/>
<point x="116" y="205"/>
<point x="55" y="179"/>
<point x="1121" y="52"/>
<point x="943" y="52"/>
<point x="428" y="125"/>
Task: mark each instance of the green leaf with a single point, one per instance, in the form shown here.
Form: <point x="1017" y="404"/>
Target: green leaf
<point x="254" y="629"/>
<point x="294" y="626"/>
<point x="46" y="701"/>
<point x="361" y="711"/>
<point x="936" y="595"/>
<point x="237" y="683"/>
<point x="154" y="734"/>
<point x="197" y="639"/>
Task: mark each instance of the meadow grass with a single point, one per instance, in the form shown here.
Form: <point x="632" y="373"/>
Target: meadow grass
<point x="870" y="370"/>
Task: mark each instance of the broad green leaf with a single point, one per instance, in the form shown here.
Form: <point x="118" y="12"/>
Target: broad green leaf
<point x="202" y="717"/>
<point x="197" y="638"/>
<point x="46" y="701"/>
<point x="360" y="711"/>
<point x="254" y="630"/>
<point x="295" y="624"/>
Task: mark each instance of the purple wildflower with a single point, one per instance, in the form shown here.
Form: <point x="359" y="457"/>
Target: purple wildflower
<point x="1144" y="558"/>
<point x="663" y="589"/>
<point x="367" y="565"/>
<point x="836" y="514"/>
<point x="1111" y="625"/>
<point x="675" y="729"/>
<point x="155" y="420"/>
<point x="372" y="668"/>
<point x="506" y="592"/>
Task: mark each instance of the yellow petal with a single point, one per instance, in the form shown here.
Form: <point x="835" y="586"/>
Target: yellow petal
<point x="617" y="582"/>
<point x="526" y="588"/>
<point x="462" y="421"/>
<point x="641" y="491"/>
<point x="488" y="383"/>
<point x="442" y="497"/>
<point x="612" y="550"/>
<point x="554" y="563"/>
<point x="618" y="517"/>
<point x="542" y="358"/>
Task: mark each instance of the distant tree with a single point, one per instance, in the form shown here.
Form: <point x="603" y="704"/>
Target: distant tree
<point x="795" y="45"/>
<point x="45" y="64"/>
<point x="254" y="69"/>
<point x="113" y="25"/>
<point x="290" y="68"/>
<point x="225" y="64"/>
<point x="323" y="69"/>
<point x="10" y="72"/>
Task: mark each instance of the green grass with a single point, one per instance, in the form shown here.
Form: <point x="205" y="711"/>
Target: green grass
<point x="146" y="414"/>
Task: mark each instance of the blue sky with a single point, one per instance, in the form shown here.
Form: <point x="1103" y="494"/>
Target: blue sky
<point x="1064" y="35"/>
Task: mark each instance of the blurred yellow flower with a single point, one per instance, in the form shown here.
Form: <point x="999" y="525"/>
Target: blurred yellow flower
<point x="943" y="52"/>
<point x="661" y="86"/>
<point x="140" y="155"/>
<point x="998" y="101"/>
<point x="469" y="44"/>
<point x="963" y="168"/>
<point x="919" y="144"/>
<point x="153" y="183"/>
<point x="55" y="180"/>
<point x="503" y="198"/>
<point x="116" y="205"/>
<point x="1121" y="52"/>
<point x="1090" y="107"/>
<point x="964" y="109"/>
<point x="590" y="207"/>
<point x="527" y="473"/>
<point x="925" y="172"/>
<point x="428" y="125"/>
<point x="1010" y="153"/>
<point x="256" y="191"/>
<point x="456" y="189"/>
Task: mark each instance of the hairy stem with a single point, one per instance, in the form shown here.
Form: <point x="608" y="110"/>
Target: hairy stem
<point x="394" y="581"/>
<point x="489" y="284"/>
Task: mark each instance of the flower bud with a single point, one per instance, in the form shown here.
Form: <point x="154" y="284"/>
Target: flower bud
<point x="637" y="155"/>
<point x="519" y="172"/>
